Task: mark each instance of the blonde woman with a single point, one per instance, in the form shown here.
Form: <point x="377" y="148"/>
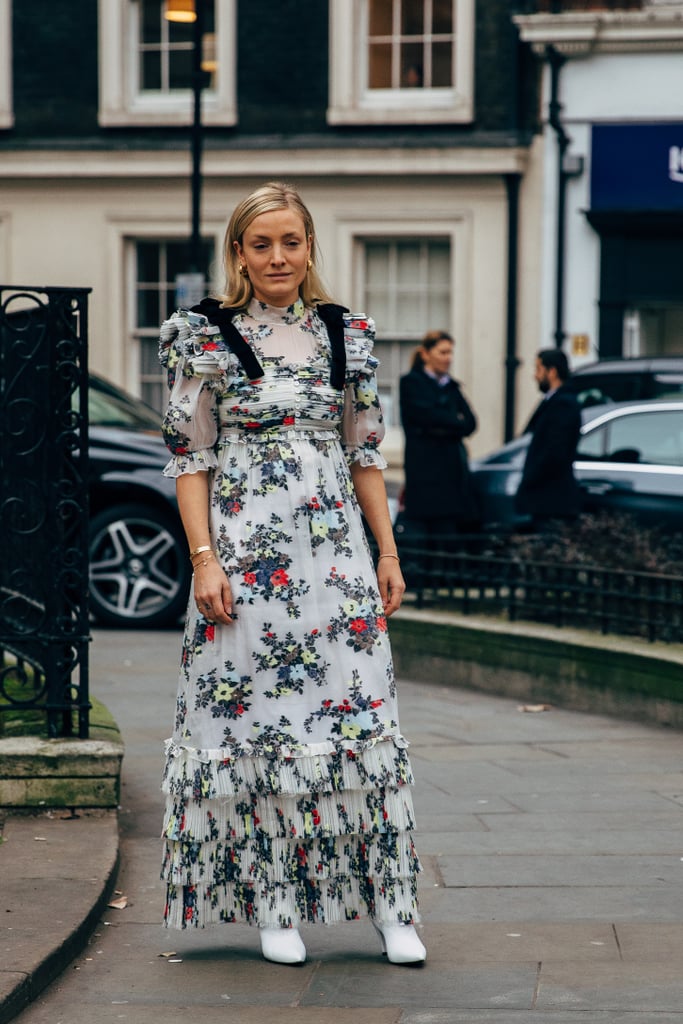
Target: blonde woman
<point x="287" y="777"/>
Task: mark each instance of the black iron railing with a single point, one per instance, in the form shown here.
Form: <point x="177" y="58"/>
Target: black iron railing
<point x="44" y="623"/>
<point x="619" y="601"/>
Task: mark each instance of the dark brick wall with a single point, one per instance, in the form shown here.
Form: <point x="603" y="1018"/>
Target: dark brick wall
<point x="497" y="83"/>
<point x="55" y="67"/>
<point x="282" y="79"/>
<point x="282" y="65"/>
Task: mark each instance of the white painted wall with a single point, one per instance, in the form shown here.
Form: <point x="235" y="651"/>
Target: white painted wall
<point x="62" y="227"/>
<point x="605" y="87"/>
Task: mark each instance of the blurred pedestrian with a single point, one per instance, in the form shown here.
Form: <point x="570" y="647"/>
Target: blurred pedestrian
<point x="287" y="777"/>
<point x="439" y="501"/>
<point x="548" y="491"/>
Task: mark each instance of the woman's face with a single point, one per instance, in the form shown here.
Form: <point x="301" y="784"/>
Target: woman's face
<point x="275" y="251"/>
<point x="438" y="357"/>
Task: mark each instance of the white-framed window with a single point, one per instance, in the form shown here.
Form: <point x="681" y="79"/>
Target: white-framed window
<point x="6" y="102"/>
<point x="401" y="61"/>
<point x="153" y="265"/>
<point x="146" y="64"/>
<point x="406" y="284"/>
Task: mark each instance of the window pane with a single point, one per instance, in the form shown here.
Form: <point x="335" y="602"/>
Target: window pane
<point x="149" y="356"/>
<point x="378" y="307"/>
<point x="442" y="65"/>
<point x="409" y="313"/>
<point x="408" y="265"/>
<point x="150" y="21"/>
<point x="380" y="17"/>
<point x="442" y="16"/>
<point x="154" y="392"/>
<point x="439" y="264"/>
<point x="180" y="69"/>
<point x="148" y="308"/>
<point x="439" y="311"/>
<point x="412" y="17"/>
<point x="148" y="261"/>
<point x="376" y="257"/>
<point x="150" y="69"/>
<point x="412" y="76"/>
<point x="180" y="32"/>
<point x="178" y="258"/>
<point x="380" y="66"/>
<point x="167" y="299"/>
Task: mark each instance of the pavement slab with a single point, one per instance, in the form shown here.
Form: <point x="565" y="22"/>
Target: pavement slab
<point x="551" y="844"/>
<point x="653" y="989"/>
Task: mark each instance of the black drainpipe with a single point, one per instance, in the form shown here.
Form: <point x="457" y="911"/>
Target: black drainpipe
<point x="555" y="62"/>
<point x="511" y="360"/>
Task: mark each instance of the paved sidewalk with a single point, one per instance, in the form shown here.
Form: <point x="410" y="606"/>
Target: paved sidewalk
<point x="552" y="843"/>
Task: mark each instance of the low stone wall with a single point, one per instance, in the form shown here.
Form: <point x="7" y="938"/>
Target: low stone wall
<point x="533" y="663"/>
<point x="42" y="773"/>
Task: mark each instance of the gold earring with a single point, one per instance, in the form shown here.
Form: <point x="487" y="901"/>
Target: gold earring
<point x="310" y="263"/>
<point x="243" y="270"/>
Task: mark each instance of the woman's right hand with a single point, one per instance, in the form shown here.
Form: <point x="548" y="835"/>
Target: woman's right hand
<point x="212" y="592"/>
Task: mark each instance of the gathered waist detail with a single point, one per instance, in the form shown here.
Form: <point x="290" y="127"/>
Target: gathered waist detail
<point x="265" y="432"/>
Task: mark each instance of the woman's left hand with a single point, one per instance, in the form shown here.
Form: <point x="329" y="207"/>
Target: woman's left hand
<point x="391" y="584"/>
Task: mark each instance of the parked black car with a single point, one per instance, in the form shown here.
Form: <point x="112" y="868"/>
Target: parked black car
<point x="628" y="380"/>
<point x="139" y="569"/>
<point x="629" y="460"/>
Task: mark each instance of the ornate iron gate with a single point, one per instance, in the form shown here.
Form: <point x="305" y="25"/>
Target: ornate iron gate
<point x="44" y="622"/>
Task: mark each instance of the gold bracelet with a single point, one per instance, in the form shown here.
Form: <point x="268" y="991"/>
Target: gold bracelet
<point x="388" y="555"/>
<point x="198" y="551"/>
<point x="196" y="565"/>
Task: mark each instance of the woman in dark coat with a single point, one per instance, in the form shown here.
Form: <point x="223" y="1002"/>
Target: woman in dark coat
<point x="439" y="501"/>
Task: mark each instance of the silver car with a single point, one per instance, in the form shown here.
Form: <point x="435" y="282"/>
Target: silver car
<point x="629" y="460"/>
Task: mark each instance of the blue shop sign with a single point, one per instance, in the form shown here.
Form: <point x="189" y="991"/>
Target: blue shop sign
<point x="637" y="167"/>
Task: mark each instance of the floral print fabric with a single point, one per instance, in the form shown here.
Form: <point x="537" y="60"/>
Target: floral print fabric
<point x="287" y="777"/>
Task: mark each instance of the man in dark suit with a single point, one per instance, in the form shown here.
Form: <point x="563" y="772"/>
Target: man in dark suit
<point x="548" y="490"/>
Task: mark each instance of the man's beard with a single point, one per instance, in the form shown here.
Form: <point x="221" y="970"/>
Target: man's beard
<point x="544" y="386"/>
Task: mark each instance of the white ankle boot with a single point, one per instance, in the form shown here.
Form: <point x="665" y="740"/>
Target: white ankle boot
<point x="401" y="943"/>
<point x="282" y="945"/>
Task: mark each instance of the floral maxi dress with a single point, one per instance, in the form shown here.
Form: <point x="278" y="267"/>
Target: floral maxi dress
<point x="287" y="778"/>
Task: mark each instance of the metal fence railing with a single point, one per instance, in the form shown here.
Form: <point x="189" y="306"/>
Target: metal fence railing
<point x="648" y="605"/>
<point x="44" y="622"/>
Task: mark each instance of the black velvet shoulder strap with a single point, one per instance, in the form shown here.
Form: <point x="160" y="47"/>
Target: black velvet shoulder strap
<point x="333" y="318"/>
<point x="222" y="318"/>
<point x="331" y="315"/>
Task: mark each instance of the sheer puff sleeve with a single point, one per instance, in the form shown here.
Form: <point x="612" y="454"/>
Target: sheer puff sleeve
<point x="197" y="362"/>
<point x="362" y="424"/>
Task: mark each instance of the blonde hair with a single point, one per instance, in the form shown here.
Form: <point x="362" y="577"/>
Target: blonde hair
<point x="274" y="195"/>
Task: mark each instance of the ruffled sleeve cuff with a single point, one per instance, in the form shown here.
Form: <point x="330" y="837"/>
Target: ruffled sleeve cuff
<point x="191" y="462"/>
<point x="364" y="455"/>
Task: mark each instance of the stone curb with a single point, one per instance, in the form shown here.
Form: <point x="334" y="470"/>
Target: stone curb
<point x="64" y="871"/>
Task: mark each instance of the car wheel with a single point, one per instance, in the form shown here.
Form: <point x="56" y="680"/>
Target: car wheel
<point x="139" y="569"/>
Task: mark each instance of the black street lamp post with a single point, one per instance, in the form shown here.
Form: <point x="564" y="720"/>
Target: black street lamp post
<point x="190" y="286"/>
<point x="199" y="80"/>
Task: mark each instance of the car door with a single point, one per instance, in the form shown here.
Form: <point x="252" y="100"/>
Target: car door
<point x="631" y="460"/>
